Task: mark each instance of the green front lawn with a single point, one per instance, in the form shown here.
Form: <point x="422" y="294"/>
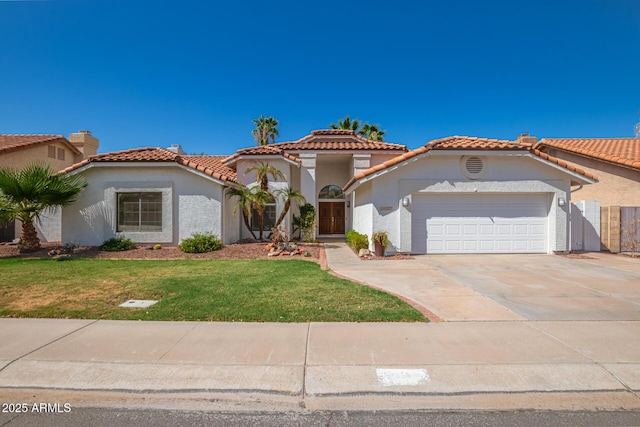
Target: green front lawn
<point x="208" y="290"/>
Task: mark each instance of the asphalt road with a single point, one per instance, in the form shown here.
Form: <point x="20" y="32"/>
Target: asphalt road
<point x="89" y="417"/>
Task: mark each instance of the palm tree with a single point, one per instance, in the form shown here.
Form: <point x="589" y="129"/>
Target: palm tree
<point x="266" y="129"/>
<point x="26" y="193"/>
<point x="372" y="132"/>
<point x="259" y="202"/>
<point x="288" y="194"/>
<point x="263" y="170"/>
<point x="245" y="202"/>
<point x="346" y="123"/>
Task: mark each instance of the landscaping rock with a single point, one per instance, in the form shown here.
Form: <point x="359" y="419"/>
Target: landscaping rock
<point x="364" y="253"/>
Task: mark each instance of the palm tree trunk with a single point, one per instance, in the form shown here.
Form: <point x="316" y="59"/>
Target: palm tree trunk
<point x="247" y="224"/>
<point x="29" y="241"/>
<point x="285" y="209"/>
<point x="261" y="222"/>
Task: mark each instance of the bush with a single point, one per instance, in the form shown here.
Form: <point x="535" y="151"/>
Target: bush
<point x="200" y="243"/>
<point x="117" y="244"/>
<point x="357" y="241"/>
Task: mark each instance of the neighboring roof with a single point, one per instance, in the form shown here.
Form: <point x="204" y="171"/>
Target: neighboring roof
<point x="337" y="139"/>
<point x="468" y="143"/>
<point x="9" y="143"/>
<point x="212" y="166"/>
<point x="621" y="151"/>
<point x="262" y="150"/>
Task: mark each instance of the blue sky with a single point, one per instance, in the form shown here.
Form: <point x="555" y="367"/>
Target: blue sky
<point x="155" y="73"/>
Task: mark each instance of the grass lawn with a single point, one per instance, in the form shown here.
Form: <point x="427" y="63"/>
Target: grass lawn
<point x="208" y="290"/>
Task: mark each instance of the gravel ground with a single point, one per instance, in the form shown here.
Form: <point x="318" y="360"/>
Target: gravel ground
<point x="234" y="251"/>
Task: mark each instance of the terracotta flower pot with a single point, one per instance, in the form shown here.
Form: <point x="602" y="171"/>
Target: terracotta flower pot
<point x="378" y="249"/>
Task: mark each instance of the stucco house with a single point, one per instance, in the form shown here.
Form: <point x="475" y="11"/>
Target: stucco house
<point x="19" y="150"/>
<point x="453" y="195"/>
<point x="616" y="162"/>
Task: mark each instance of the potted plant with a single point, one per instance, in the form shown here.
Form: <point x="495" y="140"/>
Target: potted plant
<point x="380" y="241"/>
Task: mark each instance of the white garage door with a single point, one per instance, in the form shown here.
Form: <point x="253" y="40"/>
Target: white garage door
<point x="479" y="223"/>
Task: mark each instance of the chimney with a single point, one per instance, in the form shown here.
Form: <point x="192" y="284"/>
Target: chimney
<point x="176" y="148"/>
<point x="85" y="142"/>
<point x="526" y="139"/>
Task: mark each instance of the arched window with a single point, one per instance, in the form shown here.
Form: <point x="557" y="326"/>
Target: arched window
<point x="331" y="192"/>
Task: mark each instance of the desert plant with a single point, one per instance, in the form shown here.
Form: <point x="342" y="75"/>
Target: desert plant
<point x="357" y="240"/>
<point x="381" y="238"/>
<point x="117" y="244"/>
<point x="200" y="243"/>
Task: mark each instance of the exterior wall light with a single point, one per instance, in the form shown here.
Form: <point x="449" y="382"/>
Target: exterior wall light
<point x="561" y="201"/>
<point x="348" y="203"/>
<point x="405" y="202"/>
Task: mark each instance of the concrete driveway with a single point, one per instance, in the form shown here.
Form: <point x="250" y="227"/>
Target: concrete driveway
<point x="596" y="286"/>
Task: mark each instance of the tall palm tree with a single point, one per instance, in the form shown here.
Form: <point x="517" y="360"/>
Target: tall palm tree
<point x="245" y="202"/>
<point x="266" y="129"/>
<point x="346" y="123"/>
<point x="288" y="194"/>
<point x="372" y="132"/>
<point x="26" y="193"/>
<point x="263" y="170"/>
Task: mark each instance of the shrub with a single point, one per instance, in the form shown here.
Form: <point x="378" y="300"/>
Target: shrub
<point x="117" y="244"/>
<point x="357" y="241"/>
<point x="200" y="243"/>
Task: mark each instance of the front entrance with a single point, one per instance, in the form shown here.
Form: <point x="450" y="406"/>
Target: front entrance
<point x="331" y="216"/>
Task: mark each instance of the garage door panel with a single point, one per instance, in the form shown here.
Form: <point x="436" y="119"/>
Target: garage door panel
<point x="480" y="223"/>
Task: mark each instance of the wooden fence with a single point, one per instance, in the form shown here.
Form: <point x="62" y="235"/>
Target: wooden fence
<point x="620" y="228"/>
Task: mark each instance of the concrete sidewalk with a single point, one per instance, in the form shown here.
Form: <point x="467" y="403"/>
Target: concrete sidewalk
<point x="491" y="359"/>
<point x="392" y="365"/>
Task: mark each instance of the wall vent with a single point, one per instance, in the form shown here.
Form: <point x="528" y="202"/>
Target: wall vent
<point x="473" y="167"/>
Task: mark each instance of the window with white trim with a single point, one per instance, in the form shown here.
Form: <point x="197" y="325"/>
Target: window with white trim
<point x="140" y="211"/>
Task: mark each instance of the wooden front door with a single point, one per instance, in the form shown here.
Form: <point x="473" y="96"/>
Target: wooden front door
<point x="332" y="217"/>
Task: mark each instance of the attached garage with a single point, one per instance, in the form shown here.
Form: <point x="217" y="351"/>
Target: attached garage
<point x="466" y="195"/>
<point x="480" y="223"/>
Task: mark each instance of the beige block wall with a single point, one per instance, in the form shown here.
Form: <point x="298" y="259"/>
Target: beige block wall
<point x="40" y="153"/>
<point x="617" y="186"/>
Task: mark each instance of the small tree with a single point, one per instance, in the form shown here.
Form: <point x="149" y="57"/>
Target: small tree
<point x="244" y="203"/>
<point x="26" y="193"/>
<point x="288" y="194"/>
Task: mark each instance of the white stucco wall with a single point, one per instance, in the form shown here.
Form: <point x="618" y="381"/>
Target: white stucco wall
<point x="49" y="226"/>
<point x="191" y="203"/>
<point x="363" y="210"/>
<point x="443" y="174"/>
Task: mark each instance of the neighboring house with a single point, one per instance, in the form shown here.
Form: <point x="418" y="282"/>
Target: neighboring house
<point x="616" y="162"/>
<point x="17" y="151"/>
<point x="454" y="195"/>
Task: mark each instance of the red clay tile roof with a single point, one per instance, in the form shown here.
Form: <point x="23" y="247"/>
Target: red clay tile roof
<point x="209" y="165"/>
<point x="467" y="143"/>
<point x="262" y="150"/>
<point x="9" y="143"/>
<point x="622" y="151"/>
<point x="337" y="139"/>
